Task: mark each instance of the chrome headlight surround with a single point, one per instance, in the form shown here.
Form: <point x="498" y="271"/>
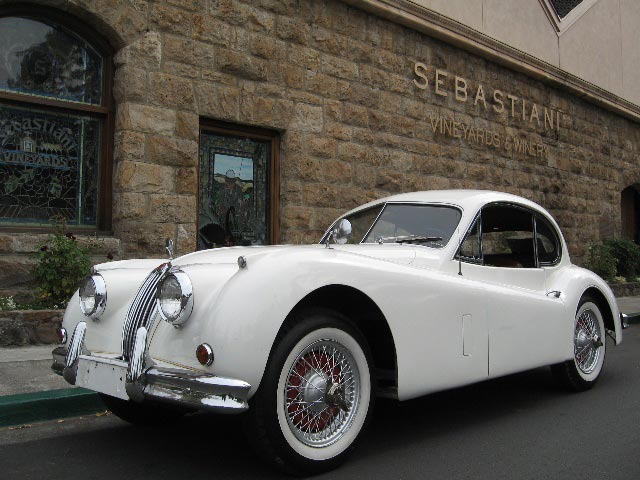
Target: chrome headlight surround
<point x="174" y="297"/>
<point x="92" y="296"/>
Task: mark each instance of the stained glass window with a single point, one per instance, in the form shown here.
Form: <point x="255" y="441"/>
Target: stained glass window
<point x="48" y="166"/>
<point x="40" y="59"/>
<point x="50" y="153"/>
<point x="233" y="202"/>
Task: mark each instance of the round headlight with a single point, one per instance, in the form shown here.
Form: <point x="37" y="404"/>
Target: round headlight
<point x="93" y="295"/>
<point x="175" y="298"/>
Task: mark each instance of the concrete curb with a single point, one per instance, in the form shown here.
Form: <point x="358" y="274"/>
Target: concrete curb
<point x="48" y="405"/>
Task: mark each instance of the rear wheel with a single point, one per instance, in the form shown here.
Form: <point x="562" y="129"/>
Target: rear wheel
<point x="589" y="348"/>
<point x="315" y="397"/>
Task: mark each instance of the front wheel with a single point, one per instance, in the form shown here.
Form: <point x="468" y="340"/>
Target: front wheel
<point x="315" y="397"/>
<point x="589" y="348"/>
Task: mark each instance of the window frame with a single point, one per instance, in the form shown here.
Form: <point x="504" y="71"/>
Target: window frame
<point x="104" y="112"/>
<point x="534" y="213"/>
<point x="273" y="183"/>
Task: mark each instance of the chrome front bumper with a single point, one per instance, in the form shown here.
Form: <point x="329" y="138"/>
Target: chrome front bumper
<point x="141" y="379"/>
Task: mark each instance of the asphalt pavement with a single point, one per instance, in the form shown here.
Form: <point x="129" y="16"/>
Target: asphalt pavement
<point x="517" y="427"/>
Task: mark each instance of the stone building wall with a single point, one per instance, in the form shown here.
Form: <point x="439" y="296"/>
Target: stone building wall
<point x="340" y="85"/>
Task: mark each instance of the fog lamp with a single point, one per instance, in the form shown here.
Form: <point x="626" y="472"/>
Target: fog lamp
<point x="204" y="354"/>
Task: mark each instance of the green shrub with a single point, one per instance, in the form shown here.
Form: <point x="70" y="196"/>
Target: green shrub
<point x="601" y="261"/>
<point x="63" y="262"/>
<point x="627" y="255"/>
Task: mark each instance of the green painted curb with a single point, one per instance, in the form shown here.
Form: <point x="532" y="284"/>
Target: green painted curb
<point x="48" y="405"/>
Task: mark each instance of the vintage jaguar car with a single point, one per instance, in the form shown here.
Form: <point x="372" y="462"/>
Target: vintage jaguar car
<point x="403" y="296"/>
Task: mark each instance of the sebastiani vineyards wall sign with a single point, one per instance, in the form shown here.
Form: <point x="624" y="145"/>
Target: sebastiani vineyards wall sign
<point x="444" y="84"/>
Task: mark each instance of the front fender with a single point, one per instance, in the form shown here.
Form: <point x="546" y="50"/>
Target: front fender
<point x="240" y="311"/>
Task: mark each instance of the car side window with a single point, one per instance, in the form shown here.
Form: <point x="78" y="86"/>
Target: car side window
<point x="507" y="237"/>
<point x="470" y="248"/>
<point x="547" y="242"/>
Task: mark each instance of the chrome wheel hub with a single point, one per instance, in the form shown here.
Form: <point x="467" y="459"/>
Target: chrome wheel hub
<point x="587" y="341"/>
<point x="322" y="392"/>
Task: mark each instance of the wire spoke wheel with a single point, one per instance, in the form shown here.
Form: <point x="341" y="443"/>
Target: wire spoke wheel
<point x="583" y="370"/>
<point x="322" y="392"/>
<point x="587" y="341"/>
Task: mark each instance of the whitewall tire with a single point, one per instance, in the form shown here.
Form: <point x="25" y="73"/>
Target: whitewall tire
<point x="316" y="395"/>
<point x="589" y="348"/>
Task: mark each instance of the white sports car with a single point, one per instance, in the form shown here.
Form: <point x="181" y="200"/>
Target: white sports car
<point x="403" y="296"/>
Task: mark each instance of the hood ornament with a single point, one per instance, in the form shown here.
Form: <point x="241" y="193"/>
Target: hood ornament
<point x="169" y="247"/>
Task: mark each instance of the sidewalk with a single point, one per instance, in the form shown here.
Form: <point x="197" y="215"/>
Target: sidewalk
<point x="30" y="391"/>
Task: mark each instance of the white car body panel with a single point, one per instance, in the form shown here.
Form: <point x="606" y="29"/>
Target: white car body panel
<point x="448" y="329"/>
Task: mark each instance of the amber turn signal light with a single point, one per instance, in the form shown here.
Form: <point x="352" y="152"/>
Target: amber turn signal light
<point x="61" y="333"/>
<point x="204" y="354"/>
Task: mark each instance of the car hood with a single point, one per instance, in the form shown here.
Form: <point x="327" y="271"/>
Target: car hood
<point x="395" y="253"/>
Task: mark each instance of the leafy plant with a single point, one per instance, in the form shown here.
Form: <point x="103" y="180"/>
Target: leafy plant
<point x="63" y="262"/>
<point x="8" y="303"/>
<point x="601" y="261"/>
<point x="627" y="255"/>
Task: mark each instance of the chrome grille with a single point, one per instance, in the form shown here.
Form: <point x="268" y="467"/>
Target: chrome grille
<point x="140" y="311"/>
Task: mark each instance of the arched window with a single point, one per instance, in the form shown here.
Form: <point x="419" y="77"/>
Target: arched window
<point x="55" y="122"/>
<point x="630" y="210"/>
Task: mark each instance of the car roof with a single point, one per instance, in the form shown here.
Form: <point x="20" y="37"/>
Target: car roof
<point x="466" y="199"/>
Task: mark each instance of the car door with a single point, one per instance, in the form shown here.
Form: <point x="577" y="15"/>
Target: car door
<point x="524" y="320"/>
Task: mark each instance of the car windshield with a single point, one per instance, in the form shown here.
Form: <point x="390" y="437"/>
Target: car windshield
<point x="430" y="225"/>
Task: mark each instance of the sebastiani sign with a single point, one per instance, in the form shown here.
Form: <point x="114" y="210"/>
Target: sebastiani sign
<point x="444" y="84"/>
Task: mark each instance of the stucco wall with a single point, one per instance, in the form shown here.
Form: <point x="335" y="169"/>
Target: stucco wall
<point x="599" y="47"/>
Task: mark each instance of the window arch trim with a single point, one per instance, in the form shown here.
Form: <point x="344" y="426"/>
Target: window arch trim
<point x="104" y="112"/>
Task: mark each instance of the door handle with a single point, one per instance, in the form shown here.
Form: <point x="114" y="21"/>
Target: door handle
<point x="554" y="293"/>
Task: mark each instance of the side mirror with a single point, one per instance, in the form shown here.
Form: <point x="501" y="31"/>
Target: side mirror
<point x="342" y="232"/>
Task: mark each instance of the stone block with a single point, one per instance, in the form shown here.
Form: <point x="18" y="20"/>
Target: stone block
<point x="171" y="151"/>
<point x="293" y="29"/>
<point x="172" y="208"/>
<point x="218" y="101"/>
<point x="187" y="239"/>
<point x="296" y="217"/>
<point x="211" y="30"/>
<point x="171" y="91"/>
<point x="241" y="65"/>
<point x="144" y="239"/>
<point x="319" y="195"/>
<point x="129" y="146"/>
<point x="130" y="84"/>
<point x="170" y="19"/>
<point x="187" y="181"/>
<point x="143" y="177"/>
<point x="339" y="67"/>
<point x="307" y="118"/>
<point x="336" y="171"/>
<point x="146" y="119"/>
<point x="129" y="205"/>
<point x="145" y="52"/>
<point x="16" y="270"/>
<point x="187" y="125"/>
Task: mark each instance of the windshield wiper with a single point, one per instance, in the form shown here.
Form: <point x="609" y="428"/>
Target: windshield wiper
<point x="408" y="239"/>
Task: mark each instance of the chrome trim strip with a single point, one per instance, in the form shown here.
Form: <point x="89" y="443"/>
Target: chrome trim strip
<point x="59" y="360"/>
<point x="197" y="390"/>
<point x="141" y="309"/>
<point x="136" y="363"/>
<point x="76" y="347"/>
<point x="186" y="388"/>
